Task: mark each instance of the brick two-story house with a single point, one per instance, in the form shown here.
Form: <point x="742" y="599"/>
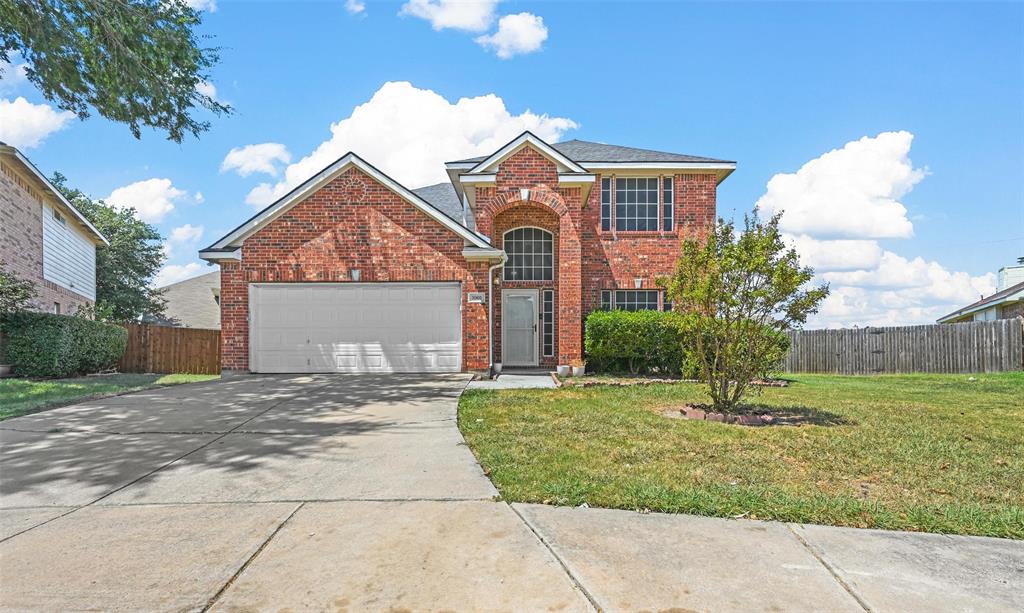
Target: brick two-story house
<point x="44" y="238"/>
<point x="352" y="272"/>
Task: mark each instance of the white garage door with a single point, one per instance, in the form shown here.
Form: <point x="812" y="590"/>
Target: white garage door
<point x="355" y="327"/>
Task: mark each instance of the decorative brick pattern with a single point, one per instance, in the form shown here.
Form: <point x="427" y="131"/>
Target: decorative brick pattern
<point x="21" y="241"/>
<point x="353" y="222"/>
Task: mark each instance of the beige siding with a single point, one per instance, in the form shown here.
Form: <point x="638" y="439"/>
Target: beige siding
<point x="69" y="257"/>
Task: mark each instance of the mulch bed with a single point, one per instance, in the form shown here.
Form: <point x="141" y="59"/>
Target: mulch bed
<point x="701" y="413"/>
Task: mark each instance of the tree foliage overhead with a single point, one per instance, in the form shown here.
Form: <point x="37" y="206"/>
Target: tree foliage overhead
<point x="133" y="61"/>
<point x="125" y="269"/>
<point x="740" y="292"/>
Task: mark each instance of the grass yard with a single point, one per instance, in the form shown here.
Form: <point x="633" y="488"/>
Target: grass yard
<point x="935" y="453"/>
<point x="24" y="396"/>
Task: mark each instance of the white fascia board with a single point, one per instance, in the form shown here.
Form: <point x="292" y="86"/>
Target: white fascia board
<point x="1015" y="297"/>
<point x="239" y="234"/>
<point x="459" y="165"/>
<point x="215" y="256"/>
<point x="56" y="192"/>
<point x="523" y="139"/>
<point x="659" y="165"/>
<point x="564" y="177"/>
<point x="477" y="254"/>
<point x="485" y="178"/>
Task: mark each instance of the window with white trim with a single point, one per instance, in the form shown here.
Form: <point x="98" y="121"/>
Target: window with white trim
<point x="547" y="303"/>
<point x="530" y="255"/>
<point x="667" y="203"/>
<point x="636" y="204"/>
<point x="606" y="205"/>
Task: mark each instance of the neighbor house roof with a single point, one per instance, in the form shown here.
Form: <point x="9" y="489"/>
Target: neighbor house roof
<point x="42" y="183"/>
<point x="1010" y="294"/>
<point x="192" y="303"/>
<point x="591" y="152"/>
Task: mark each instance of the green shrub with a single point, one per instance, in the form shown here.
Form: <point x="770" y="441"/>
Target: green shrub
<point x="639" y="342"/>
<point x="47" y="345"/>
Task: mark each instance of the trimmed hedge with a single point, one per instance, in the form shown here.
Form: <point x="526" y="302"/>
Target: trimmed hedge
<point x="638" y="342"/>
<point x="48" y="345"/>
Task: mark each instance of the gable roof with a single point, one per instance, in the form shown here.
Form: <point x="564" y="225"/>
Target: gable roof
<point x="191" y="303"/>
<point x="587" y="151"/>
<point x="44" y="183"/>
<point x="524" y="139"/>
<point x="230" y="243"/>
<point x="1010" y="294"/>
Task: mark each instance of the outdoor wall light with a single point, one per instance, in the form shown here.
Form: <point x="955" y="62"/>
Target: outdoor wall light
<point x="638" y="283"/>
<point x="354" y="273"/>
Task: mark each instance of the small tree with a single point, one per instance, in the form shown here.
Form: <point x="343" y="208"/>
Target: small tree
<point x="15" y="293"/>
<point x="739" y="293"/>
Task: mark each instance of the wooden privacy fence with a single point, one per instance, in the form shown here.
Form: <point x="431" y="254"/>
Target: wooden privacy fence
<point x="163" y="349"/>
<point x="981" y="346"/>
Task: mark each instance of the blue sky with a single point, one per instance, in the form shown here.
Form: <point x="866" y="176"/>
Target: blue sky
<point x="772" y="86"/>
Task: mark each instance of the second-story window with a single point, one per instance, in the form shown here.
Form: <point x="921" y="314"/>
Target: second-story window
<point x="636" y="204"/>
<point x="529" y="253"/>
<point x="606" y="204"/>
<point x="667" y="203"/>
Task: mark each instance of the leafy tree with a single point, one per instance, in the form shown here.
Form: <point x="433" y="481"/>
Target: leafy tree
<point x="133" y="61"/>
<point x="739" y="292"/>
<point x="125" y="269"/>
<point x="15" y="293"/>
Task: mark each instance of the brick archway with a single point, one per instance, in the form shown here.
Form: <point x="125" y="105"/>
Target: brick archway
<point x="543" y="196"/>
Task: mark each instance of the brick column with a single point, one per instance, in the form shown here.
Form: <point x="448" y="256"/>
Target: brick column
<point x="570" y="290"/>
<point x="234" y="318"/>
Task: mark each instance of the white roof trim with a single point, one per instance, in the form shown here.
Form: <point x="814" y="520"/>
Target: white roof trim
<point x="213" y="256"/>
<point x="482" y="178"/>
<point x="564" y="177"/>
<point x="275" y="210"/>
<point x="56" y="192"/>
<point x="476" y="253"/>
<point x="1014" y="297"/>
<point x="659" y="165"/>
<point x="526" y="138"/>
<point x="460" y="165"/>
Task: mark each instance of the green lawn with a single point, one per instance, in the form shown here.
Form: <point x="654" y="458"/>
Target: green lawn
<point x="936" y="453"/>
<point x="23" y="396"/>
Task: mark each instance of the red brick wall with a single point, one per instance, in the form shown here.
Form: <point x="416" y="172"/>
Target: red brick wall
<point x="351" y="223"/>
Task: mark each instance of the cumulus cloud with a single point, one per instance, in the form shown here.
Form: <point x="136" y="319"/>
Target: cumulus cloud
<point x="152" y="199"/>
<point x="263" y="158"/>
<point x="409" y="133"/>
<point x="851" y="192"/>
<point x="210" y="91"/>
<point x="466" y="15"/>
<point x="182" y="236"/>
<point x="516" y="35"/>
<point x="833" y="210"/>
<point x="172" y="273"/>
<point x="355" y="7"/>
<point x="26" y="125"/>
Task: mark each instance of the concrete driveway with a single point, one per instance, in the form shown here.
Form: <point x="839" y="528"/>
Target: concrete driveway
<point x="351" y="493"/>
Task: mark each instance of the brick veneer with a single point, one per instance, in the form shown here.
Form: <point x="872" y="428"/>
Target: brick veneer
<point x="21" y="241"/>
<point x="588" y="259"/>
<point x="353" y="222"/>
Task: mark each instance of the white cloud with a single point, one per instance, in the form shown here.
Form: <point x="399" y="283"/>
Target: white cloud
<point x="209" y="90"/>
<point x="516" y="35"/>
<point x="13" y="73"/>
<point x="256" y="158"/>
<point x="466" y="15"/>
<point x="26" y="125"/>
<point x="202" y="5"/>
<point x="355" y="6"/>
<point x="409" y="133"/>
<point x="835" y="207"/>
<point x="851" y="192"/>
<point x="152" y="199"/>
<point x="172" y="273"/>
<point x="182" y="236"/>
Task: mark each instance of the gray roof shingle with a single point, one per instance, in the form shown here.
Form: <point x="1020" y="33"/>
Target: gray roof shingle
<point x="443" y="197"/>
<point x="587" y="151"/>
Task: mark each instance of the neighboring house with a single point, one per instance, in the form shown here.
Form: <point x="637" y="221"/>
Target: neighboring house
<point x="192" y="303"/>
<point x="43" y="238"/>
<point x="353" y="272"/>
<point x="1006" y="303"/>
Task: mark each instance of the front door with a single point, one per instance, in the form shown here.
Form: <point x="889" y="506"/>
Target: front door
<point x="519" y="327"/>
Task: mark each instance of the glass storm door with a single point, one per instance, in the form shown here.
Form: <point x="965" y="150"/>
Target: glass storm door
<point x="519" y="327"/>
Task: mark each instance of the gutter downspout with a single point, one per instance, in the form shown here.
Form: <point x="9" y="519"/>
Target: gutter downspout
<point x="490" y="310"/>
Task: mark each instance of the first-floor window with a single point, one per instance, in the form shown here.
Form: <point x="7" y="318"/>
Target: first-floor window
<point x="547" y="302"/>
<point x="634" y="300"/>
<point x="530" y="255"/>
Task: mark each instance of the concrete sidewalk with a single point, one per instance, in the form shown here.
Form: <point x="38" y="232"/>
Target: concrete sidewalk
<point x="359" y="493"/>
